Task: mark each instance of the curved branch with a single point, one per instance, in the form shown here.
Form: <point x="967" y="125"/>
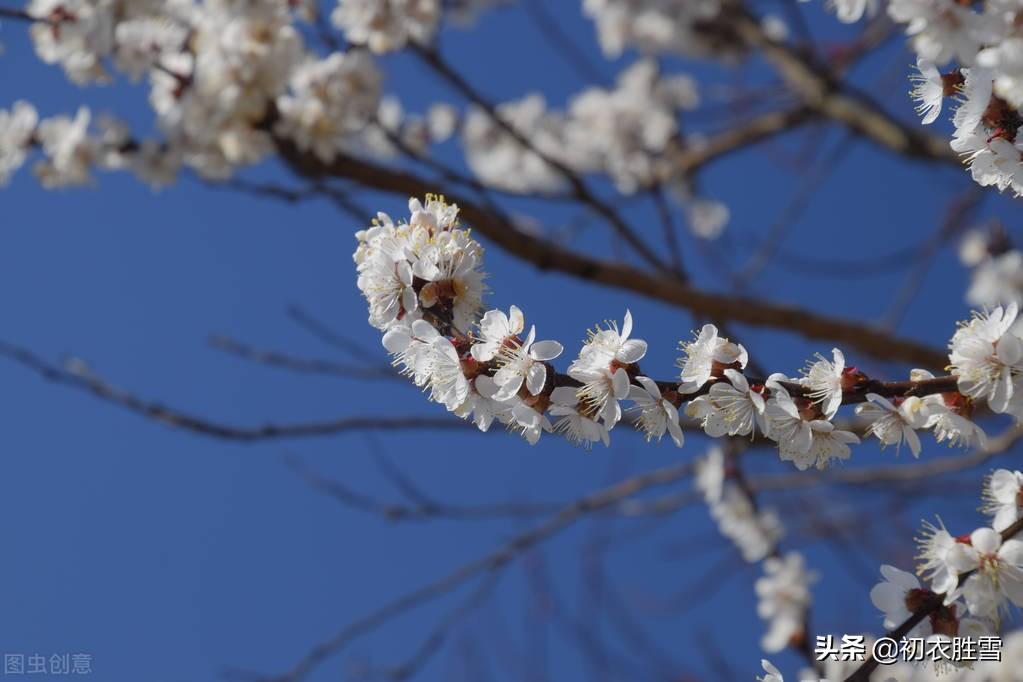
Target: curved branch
<point x="78" y="376"/>
<point x="823" y="93"/>
<point x="547" y="255"/>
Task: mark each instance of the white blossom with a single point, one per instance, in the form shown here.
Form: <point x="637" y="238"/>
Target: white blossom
<point x="70" y="151"/>
<point x="706" y="356"/>
<point x="730" y="407"/>
<point x="893" y="597"/>
<point x="577" y="426"/>
<point x="17" y="126"/>
<point x="986" y="357"/>
<point x="656" y="415"/>
<point x="773" y="675"/>
<point x="386" y="25"/>
<point x="894" y="425"/>
<point x="329" y="102"/>
<point x="755" y="532"/>
<point x="709" y="475"/>
<point x="997" y="571"/>
<point x="603" y="369"/>
<point x="934" y="545"/>
<point x="783" y="597"/>
<point x="656" y="25"/>
<point x="1003" y="498"/>
<point x="523" y="362"/>
<point x="928" y="91"/>
<point x="496" y="331"/>
<point x="824" y="382"/>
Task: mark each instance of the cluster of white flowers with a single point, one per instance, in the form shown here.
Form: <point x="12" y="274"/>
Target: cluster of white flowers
<point x="329" y="102"/>
<point x="73" y="147"/>
<point x="994" y="566"/>
<point x="997" y="277"/>
<point x="225" y="77"/>
<point x="233" y="81"/>
<point x="754" y="531"/>
<point x="423" y="283"/>
<point x="979" y="47"/>
<point x="967" y="583"/>
<point x="629" y="133"/>
<point x="783" y="592"/>
<point x="386" y="25"/>
<point x="783" y="599"/>
<point x="690" y="27"/>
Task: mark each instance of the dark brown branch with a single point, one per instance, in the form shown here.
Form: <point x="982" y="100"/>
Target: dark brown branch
<point x="546" y="255"/>
<point x="741" y="136"/>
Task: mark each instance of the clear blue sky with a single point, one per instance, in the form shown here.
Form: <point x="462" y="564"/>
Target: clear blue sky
<point x="171" y="557"/>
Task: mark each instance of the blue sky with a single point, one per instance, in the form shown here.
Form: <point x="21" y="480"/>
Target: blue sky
<point x="171" y="557"/>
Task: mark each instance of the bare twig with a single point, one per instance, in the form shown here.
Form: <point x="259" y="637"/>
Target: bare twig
<point x="490" y="563"/>
<point x="293" y="363"/>
<point x="76" y="375"/>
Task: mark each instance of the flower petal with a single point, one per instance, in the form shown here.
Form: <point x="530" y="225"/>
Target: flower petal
<point x="536" y="377"/>
<point x="545" y="350"/>
<point x="985" y="540"/>
<point x="632" y="350"/>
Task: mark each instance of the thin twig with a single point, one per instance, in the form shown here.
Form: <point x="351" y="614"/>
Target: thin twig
<point x="489" y="563"/>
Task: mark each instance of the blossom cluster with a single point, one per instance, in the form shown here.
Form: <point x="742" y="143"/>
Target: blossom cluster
<point x="423" y="282"/>
<point x="965" y="584"/>
<point x="968" y="52"/>
<point x="783" y="593"/>
<point x="689" y="27"/>
<point x="228" y="82"/>
<point x="997" y="269"/>
<point x="629" y="132"/>
<point x="754" y="531"/>
<point x="232" y="82"/>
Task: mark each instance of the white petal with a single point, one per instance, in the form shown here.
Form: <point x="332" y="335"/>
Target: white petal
<point x="536" y="377"/>
<point x="913" y="440"/>
<point x="516" y="321"/>
<point x="632" y="350"/>
<point x="649" y="385"/>
<point x="396" y="339"/>
<point x="1005" y="517"/>
<point x="985" y="540"/>
<point x="1004" y="486"/>
<point x="1010" y="349"/>
<point x="675" y="431"/>
<point x="1011" y="552"/>
<point x="961" y="558"/>
<point x="620" y="383"/>
<point x="627" y="325"/>
<point x="1002" y="394"/>
<point x="545" y="350"/>
<point x="737" y="380"/>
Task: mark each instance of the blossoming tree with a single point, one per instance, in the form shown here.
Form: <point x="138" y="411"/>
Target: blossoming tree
<point x="239" y="84"/>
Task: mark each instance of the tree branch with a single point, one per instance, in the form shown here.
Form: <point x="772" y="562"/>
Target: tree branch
<point x="547" y="255"/>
